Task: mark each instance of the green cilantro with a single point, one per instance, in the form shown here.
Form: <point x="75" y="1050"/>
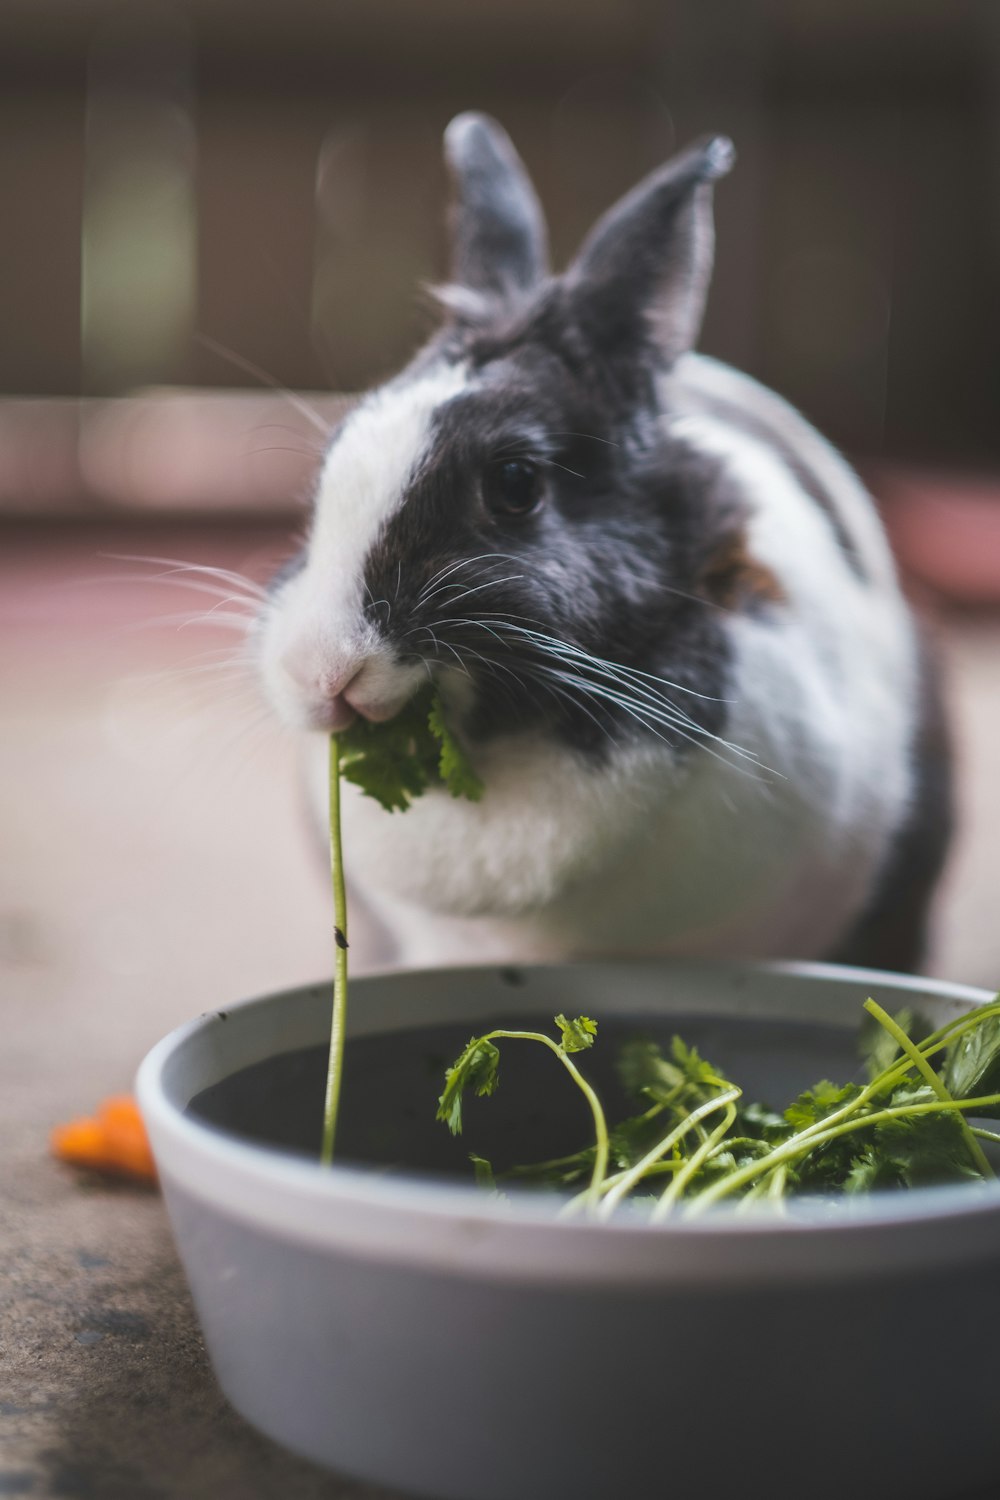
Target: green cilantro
<point x="758" y="1123"/>
<point x="476" y="1068"/>
<point x="577" y="1035"/>
<point x="394" y="762"/>
<point x="693" y="1066"/>
<point x="646" y="1073"/>
<point x="453" y="767"/>
<point x="972" y="1069"/>
<point x="819" y="1102"/>
<point x="695" y="1142"/>
<point x="484" y="1172"/>
<point x="397" y="761"/>
<point x="923" y="1150"/>
<point x="879" y="1048"/>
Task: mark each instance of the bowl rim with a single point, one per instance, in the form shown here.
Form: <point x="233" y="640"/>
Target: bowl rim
<point x="458" y="1228"/>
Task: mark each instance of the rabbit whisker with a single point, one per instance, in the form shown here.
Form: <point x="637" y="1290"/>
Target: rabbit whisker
<point x="204" y="570"/>
<point x="552" y="464"/>
<point x="464" y="562"/>
<point x="247" y="365"/>
<point x="542" y="640"/>
<point x="649" y="719"/>
<point x="623" y="688"/>
<point x="490" y="584"/>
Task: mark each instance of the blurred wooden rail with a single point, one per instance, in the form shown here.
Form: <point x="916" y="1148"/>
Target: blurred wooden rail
<point x="271" y="177"/>
<point x="182" y="452"/>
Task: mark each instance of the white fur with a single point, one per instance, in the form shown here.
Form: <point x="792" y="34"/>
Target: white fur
<point x="316" y="637"/>
<point x="698" y="374"/>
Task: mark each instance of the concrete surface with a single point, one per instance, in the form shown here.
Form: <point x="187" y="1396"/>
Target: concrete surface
<point x="155" y="863"/>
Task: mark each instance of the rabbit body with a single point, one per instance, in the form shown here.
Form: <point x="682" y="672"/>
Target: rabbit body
<point x="659" y="607"/>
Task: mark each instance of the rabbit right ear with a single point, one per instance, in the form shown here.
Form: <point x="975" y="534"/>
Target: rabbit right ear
<point x="643" y="271"/>
<point x="499" y="241"/>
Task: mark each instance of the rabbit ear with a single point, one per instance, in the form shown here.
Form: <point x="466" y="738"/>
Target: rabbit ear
<point x="499" y="241"/>
<point x="644" y="268"/>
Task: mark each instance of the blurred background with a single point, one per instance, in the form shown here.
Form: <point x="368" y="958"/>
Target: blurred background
<point x="217" y="216"/>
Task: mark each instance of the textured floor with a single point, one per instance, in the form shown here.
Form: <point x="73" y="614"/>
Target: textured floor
<point x="155" y="863"/>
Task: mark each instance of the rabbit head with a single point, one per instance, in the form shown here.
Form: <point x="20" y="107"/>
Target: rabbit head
<point x="510" y="514"/>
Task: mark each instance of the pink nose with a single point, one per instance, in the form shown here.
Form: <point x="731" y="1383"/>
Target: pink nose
<point x="322" y="689"/>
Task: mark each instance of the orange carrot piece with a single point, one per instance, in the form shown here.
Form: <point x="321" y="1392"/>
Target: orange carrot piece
<point x="113" y="1141"/>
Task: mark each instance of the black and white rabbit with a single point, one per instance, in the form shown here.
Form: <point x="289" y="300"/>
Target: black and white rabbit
<point x="659" y="606"/>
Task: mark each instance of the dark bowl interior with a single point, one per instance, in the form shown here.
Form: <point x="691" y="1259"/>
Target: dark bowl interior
<point x="391" y="1083"/>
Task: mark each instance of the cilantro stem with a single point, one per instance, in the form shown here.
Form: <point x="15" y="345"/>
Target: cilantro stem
<point x="759" y="1190"/>
<point x="936" y="1042"/>
<point x="675" y="1188"/>
<point x="338" y="1020"/>
<point x="636" y="1173"/>
<point x="658" y="1169"/>
<point x="945" y="1035"/>
<point x="929" y="1076"/>
<point x="821" y="1133"/>
<point x="592" y="1195"/>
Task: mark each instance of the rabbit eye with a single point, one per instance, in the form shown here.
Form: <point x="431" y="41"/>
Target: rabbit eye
<point x="512" y="487"/>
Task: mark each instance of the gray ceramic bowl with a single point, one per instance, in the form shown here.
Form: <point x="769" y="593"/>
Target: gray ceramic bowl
<point x="415" y="1332"/>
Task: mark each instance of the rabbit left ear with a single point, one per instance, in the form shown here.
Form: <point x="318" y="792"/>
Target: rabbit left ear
<point x="644" y="269"/>
<point x="499" y="241"/>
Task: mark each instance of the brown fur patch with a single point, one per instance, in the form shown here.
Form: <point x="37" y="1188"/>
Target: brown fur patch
<point x="735" y="580"/>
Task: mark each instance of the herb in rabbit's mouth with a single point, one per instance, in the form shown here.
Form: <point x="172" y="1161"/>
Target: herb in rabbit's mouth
<point x="694" y="1142"/>
<point x="394" y="763"/>
<point x="397" y="761"/>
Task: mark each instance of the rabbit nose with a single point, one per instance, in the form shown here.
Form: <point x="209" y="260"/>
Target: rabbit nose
<point x="322" y="682"/>
<point x="306" y="667"/>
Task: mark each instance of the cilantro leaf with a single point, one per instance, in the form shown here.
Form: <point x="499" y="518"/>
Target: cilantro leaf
<point x="680" y="1082"/>
<point x="870" y="1172"/>
<point x="397" y="761"/>
<point x="973" y="1065"/>
<point x="818" y="1102"/>
<point x="453" y="766"/>
<point x="392" y="762"/>
<point x="578" y="1034"/>
<point x="477" y="1067"/>
<point x="646" y="1073"/>
<point x="924" y="1150"/>
<point x="556" y="1172"/>
<point x="761" y="1124"/>
<point x="693" y="1066"/>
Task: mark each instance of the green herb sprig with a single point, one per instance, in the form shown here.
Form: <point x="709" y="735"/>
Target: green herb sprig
<point x="398" y="761"/>
<point x="696" y="1143"/>
<point x="394" y="763"/>
<point x="478" y="1068"/>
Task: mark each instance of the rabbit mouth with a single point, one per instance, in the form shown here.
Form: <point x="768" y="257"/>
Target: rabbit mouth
<point x="377" y="691"/>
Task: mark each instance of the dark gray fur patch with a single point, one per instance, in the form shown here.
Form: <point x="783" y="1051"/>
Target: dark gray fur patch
<point x="643" y="271"/>
<point x="499" y="242"/>
<point x="611" y="565"/>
